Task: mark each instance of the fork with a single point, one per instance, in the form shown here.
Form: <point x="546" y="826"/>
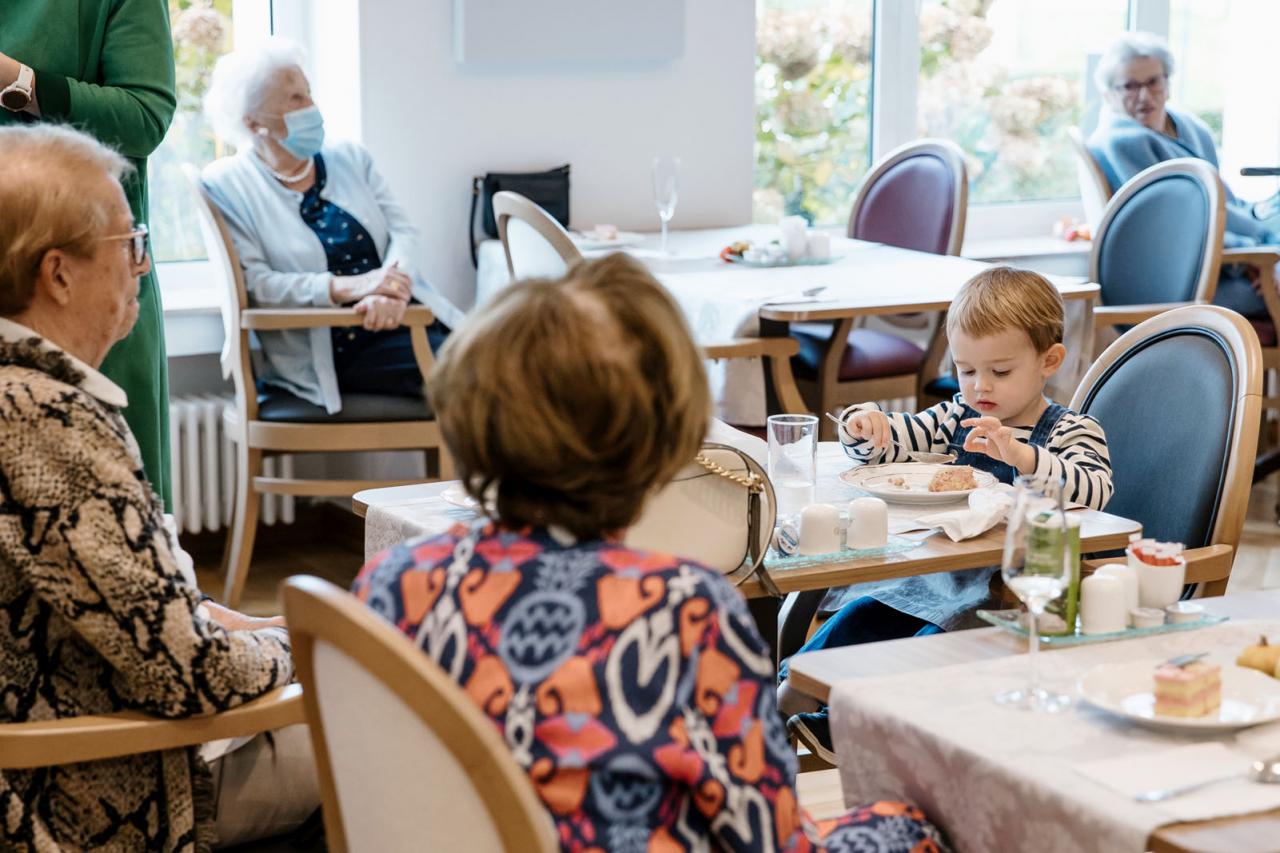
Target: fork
<point x="917" y="455"/>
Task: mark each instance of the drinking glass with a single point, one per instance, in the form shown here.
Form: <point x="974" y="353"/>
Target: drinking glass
<point x="793" y="444"/>
<point x="1037" y="566"/>
<point x="666" y="185"/>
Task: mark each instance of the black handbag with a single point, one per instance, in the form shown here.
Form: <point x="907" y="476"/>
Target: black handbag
<point x="549" y="190"/>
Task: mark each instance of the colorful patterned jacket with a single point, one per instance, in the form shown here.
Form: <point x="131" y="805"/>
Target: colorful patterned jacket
<point x="632" y="687"/>
<point x="95" y="617"/>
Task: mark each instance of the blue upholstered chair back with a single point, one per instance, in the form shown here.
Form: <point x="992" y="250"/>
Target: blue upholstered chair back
<point x="1173" y="396"/>
<point x="1160" y="238"/>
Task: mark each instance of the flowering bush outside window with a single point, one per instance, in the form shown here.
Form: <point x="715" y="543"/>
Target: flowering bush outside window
<point x="813" y="107"/>
<point x="201" y="34"/>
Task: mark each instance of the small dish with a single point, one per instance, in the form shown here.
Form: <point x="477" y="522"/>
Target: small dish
<point x="881" y="481"/>
<point x="1249" y="698"/>
<point x="457" y="496"/>
<point x="589" y="242"/>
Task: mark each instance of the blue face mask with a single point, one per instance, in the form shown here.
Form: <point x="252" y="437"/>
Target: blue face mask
<point x="305" y="132"/>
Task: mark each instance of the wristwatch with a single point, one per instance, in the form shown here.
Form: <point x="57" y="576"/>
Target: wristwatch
<point x="17" y="94"/>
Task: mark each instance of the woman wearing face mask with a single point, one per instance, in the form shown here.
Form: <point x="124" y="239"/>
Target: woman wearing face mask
<point x="315" y="225"/>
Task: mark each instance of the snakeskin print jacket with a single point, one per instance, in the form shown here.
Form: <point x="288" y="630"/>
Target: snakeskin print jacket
<point x="95" y="617"/>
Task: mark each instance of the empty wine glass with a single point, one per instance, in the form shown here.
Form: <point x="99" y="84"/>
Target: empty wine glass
<point x="666" y="185"/>
<point x="1037" y="566"/>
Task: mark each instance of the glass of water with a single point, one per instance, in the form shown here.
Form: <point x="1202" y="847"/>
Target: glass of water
<point x="1037" y="564"/>
<point x="793" y="444"/>
<point x="666" y="191"/>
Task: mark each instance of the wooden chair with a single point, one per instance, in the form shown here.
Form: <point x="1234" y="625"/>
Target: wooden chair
<point x="282" y="423"/>
<point x="1095" y="190"/>
<point x="915" y="198"/>
<point x="405" y="758"/>
<point x="536" y="245"/>
<point x="1159" y="242"/>
<point x="1180" y="398"/>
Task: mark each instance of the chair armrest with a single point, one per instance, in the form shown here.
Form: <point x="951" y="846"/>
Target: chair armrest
<point x="1213" y="562"/>
<point x="97" y="736"/>
<point x="752" y="348"/>
<point x="1256" y="256"/>
<point x="1130" y="315"/>
<point x="274" y="319"/>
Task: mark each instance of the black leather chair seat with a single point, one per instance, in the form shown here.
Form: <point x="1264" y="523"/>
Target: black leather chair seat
<point x="869" y="354"/>
<point x="281" y="406"/>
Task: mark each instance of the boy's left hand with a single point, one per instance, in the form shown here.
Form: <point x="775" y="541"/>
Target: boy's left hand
<point x="993" y="438"/>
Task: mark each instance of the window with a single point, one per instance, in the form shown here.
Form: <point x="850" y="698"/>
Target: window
<point x="1196" y="37"/>
<point x="201" y="33"/>
<point x="1004" y="79"/>
<point x="813" y="107"/>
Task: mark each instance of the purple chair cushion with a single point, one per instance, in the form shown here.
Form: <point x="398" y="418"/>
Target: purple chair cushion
<point x="1266" y="332"/>
<point x="909" y="206"/>
<point x="869" y="354"/>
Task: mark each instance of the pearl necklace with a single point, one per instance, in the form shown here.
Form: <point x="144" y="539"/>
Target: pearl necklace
<point x="289" y="179"/>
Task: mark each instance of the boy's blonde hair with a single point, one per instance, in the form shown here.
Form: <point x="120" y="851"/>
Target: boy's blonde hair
<point x="567" y="401"/>
<point x="1008" y="298"/>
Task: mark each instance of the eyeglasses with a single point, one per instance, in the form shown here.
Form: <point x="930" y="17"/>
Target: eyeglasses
<point x="139" y="240"/>
<point x="1130" y="88"/>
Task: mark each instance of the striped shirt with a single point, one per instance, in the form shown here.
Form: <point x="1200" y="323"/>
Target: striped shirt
<point x="1075" y="452"/>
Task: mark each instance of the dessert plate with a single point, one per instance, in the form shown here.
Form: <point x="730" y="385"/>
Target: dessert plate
<point x="913" y="488"/>
<point x="589" y="242"/>
<point x="1249" y="697"/>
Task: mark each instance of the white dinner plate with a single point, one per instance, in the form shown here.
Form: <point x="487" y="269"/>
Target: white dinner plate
<point x="589" y="243"/>
<point x="457" y="496"/>
<point x="880" y="480"/>
<point x="1249" y="697"/>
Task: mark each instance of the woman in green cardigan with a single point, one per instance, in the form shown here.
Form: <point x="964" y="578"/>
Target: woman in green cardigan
<point x="105" y="67"/>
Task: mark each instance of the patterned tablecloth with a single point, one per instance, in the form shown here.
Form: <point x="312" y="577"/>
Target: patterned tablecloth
<point x="997" y="778"/>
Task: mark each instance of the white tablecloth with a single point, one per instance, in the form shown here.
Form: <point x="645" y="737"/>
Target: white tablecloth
<point x="997" y="778"/>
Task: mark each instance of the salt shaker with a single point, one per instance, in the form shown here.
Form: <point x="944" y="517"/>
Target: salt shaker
<point x="868" y="523"/>
<point x="1102" y="604"/>
<point x="794" y="242"/>
<point x="819" y="529"/>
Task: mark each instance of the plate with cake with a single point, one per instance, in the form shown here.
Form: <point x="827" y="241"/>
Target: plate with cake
<point x="918" y="482"/>
<point x="1186" y="694"/>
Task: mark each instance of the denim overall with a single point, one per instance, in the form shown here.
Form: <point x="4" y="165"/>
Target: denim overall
<point x="926" y="604"/>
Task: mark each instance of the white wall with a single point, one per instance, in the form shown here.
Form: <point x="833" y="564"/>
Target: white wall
<point x="433" y="124"/>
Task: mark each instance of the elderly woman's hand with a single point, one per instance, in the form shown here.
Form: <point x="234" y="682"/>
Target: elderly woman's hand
<point x="381" y="313"/>
<point x="385" y="281"/>
<point x="234" y="620"/>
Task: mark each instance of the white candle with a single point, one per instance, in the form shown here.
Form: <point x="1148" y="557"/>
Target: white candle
<point x="1102" y="609"/>
<point x="1128" y="577"/>
<point x="868" y="523"/>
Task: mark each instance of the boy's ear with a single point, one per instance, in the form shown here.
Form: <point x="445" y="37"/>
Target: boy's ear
<point x="1052" y="359"/>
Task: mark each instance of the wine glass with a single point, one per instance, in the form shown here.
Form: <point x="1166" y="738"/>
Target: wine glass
<point x="666" y="180"/>
<point x="1036" y="565"/>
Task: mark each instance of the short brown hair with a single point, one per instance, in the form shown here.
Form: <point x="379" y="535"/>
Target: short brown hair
<point x="1008" y="298"/>
<point x="572" y="398"/>
<point x="44" y="202"/>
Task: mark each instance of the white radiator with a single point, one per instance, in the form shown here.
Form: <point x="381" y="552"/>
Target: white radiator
<point x="203" y="465"/>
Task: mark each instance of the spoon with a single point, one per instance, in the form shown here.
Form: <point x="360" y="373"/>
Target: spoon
<point x="1266" y="771"/>
<point x="917" y="455"/>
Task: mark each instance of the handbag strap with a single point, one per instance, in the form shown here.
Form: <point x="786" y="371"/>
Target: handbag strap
<point x="757" y="484"/>
<point x="471" y="221"/>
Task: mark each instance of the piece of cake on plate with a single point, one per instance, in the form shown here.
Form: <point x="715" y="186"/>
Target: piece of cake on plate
<point x="953" y="478"/>
<point x="1194" y="690"/>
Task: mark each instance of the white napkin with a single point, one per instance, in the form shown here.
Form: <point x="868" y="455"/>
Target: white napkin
<point x="1185" y="765"/>
<point x="986" y="508"/>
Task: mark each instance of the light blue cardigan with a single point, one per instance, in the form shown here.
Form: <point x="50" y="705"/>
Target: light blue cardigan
<point x="284" y="263"/>
<point x="1124" y="147"/>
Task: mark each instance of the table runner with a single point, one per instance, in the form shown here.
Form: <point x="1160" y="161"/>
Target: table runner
<point x="997" y="778"/>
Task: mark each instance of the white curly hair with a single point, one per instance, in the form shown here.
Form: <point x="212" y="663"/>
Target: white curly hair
<point x="240" y="80"/>
<point x="1128" y="47"/>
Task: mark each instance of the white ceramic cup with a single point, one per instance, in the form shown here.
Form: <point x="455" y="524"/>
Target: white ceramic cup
<point x="1128" y="576"/>
<point x="820" y="529"/>
<point x="1159" y="586"/>
<point x="868" y="523"/>
<point x="1102" y="609"/>
<point x="819" y="245"/>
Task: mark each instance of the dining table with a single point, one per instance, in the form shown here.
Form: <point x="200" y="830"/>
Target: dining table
<point x="914" y="718"/>
<point x="725" y="300"/>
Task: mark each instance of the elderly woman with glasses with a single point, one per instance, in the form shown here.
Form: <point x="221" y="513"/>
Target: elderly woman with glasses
<point x="315" y="224"/>
<point x="1139" y="128"/>
<point x="96" y="615"/>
